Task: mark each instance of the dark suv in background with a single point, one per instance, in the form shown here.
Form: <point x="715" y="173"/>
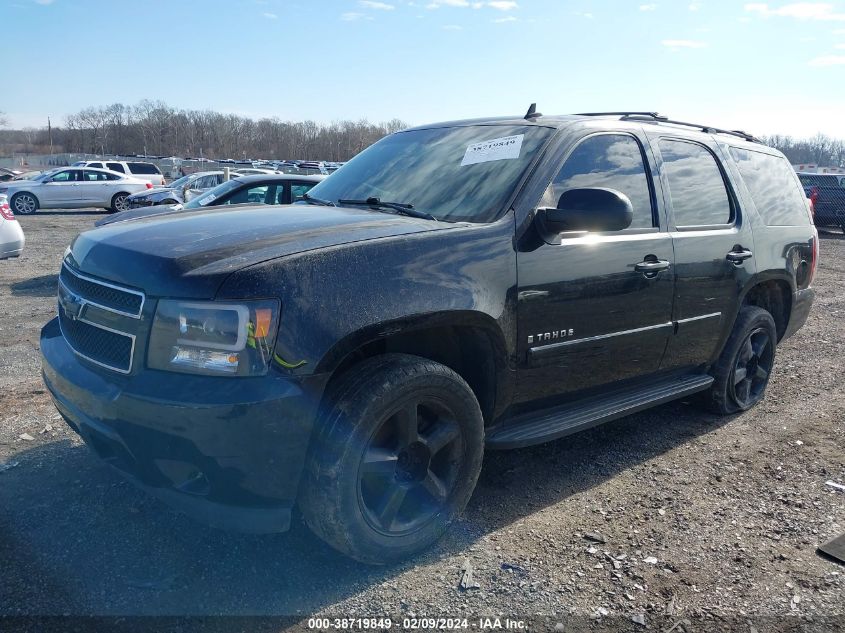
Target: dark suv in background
<point x="827" y="191"/>
<point x="491" y="283"/>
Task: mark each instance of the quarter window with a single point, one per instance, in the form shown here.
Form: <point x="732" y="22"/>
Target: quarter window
<point x="613" y="161"/>
<point x="116" y="167"/>
<point x="771" y="183"/>
<point x="696" y="186"/>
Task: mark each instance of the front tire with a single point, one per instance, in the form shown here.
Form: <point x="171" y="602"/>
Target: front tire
<point x="24" y="204"/>
<point x="397" y="454"/>
<point x="118" y="202"/>
<point x="745" y="366"/>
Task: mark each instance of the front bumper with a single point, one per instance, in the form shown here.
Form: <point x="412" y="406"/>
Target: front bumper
<point x="802" y="301"/>
<point x="228" y="451"/>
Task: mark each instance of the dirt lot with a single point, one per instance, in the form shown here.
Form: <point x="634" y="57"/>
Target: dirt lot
<point x="711" y="519"/>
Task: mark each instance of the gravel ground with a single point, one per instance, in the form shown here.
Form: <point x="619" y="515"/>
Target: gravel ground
<point x="715" y="520"/>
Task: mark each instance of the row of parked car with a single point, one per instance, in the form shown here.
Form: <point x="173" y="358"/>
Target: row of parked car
<point x="130" y="196"/>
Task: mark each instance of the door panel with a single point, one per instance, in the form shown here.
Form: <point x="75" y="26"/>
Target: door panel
<point x="62" y="191"/>
<point x="586" y="317"/>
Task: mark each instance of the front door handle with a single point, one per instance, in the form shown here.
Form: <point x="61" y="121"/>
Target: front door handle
<point x="739" y="255"/>
<point x="651" y="266"/>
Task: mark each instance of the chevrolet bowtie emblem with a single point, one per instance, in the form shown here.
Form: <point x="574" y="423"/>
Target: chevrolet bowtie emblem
<point x="72" y="304"/>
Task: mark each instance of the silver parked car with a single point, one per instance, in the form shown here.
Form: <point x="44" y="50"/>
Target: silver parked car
<point x="72" y="188"/>
<point x="11" y="233"/>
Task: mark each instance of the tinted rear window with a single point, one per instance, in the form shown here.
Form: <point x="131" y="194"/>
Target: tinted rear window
<point x="143" y="168"/>
<point x="771" y="182"/>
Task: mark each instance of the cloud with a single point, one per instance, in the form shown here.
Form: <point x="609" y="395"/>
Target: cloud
<point x="676" y="44"/>
<point x="270" y="16"/>
<point x="648" y="7"/>
<point x="448" y="3"/>
<point x="827" y="60"/>
<point x="503" y="5"/>
<point x="694" y="6"/>
<point x="799" y="10"/>
<point x="588" y="16"/>
<point x="840" y="47"/>
<point x="351" y="16"/>
<point x="378" y="6"/>
<point x="452" y="27"/>
<point x="509" y="18"/>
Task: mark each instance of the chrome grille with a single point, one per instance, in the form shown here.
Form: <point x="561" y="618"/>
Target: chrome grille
<point x="99" y="320"/>
<point x="103" y="294"/>
<point x="104" y="347"/>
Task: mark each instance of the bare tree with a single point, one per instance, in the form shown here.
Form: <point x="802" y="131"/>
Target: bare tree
<point x="3" y="119"/>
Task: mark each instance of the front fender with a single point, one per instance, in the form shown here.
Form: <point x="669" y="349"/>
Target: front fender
<point x="335" y="299"/>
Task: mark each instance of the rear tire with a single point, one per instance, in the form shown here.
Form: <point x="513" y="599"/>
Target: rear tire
<point x="118" y="202"/>
<point x="743" y="370"/>
<point x="398" y="451"/>
<point x="24" y="204"/>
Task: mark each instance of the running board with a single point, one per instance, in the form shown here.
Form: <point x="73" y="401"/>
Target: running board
<point x="550" y="424"/>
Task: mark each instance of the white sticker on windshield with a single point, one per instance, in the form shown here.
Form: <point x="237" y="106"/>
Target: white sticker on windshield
<point x="505" y="148"/>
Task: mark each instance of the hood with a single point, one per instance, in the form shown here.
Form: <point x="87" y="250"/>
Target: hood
<point x="189" y="254"/>
<point x="140" y="212"/>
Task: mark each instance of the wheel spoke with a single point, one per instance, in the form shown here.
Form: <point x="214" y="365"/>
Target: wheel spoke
<point x="743" y="393"/>
<point x="407" y="424"/>
<point x="740" y="374"/>
<point x="761" y="343"/>
<point x="443" y="434"/>
<point x="390" y="504"/>
<point x="379" y="461"/>
<point x="761" y="374"/>
<point x="434" y="486"/>
<point x="747" y="352"/>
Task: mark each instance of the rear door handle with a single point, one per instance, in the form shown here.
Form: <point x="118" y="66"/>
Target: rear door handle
<point x="651" y="266"/>
<point x="739" y="256"/>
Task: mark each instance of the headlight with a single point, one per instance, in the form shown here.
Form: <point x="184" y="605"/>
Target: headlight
<point x="213" y="338"/>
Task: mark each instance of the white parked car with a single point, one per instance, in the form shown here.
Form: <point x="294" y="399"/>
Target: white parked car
<point x="11" y="233"/>
<point x="72" y="188"/>
<point x="144" y="171"/>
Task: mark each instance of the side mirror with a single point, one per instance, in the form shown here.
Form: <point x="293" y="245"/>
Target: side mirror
<point x="589" y="209"/>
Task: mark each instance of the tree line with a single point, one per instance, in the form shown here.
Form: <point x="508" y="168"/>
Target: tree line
<point x="155" y="128"/>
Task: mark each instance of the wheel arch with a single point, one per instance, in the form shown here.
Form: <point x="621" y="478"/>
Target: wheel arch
<point x="773" y="293"/>
<point x="470" y="343"/>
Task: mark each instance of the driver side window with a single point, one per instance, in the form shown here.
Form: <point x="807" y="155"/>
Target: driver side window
<point x="612" y="161"/>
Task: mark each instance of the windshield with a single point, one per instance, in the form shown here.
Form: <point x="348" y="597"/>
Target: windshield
<point x="454" y="174"/>
<point x="46" y="174"/>
<point x="212" y="194"/>
<point x="179" y="182"/>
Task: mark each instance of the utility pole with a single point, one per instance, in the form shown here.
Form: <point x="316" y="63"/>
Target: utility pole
<point x="50" y="134"/>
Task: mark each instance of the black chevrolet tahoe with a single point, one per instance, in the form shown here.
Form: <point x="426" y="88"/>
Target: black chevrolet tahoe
<point x="494" y="283"/>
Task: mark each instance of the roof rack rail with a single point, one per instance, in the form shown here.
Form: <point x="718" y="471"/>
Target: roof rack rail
<point x="657" y="118"/>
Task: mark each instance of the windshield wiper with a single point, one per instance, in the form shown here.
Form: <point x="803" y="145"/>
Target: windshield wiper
<point x="312" y="200"/>
<point x="399" y="207"/>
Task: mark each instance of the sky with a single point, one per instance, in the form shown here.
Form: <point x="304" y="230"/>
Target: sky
<point x="762" y="67"/>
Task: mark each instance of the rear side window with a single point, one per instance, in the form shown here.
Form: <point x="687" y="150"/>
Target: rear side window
<point x="116" y="167"/>
<point x="614" y="161"/>
<point x="143" y="168"/>
<point x="696" y="186"/>
<point x="97" y="165"/>
<point x="771" y="182"/>
<point x="813" y="180"/>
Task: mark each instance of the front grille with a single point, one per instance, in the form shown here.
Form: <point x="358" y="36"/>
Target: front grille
<point x="108" y="296"/>
<point x="99" y="320"/>
<point x="104" y="347"/>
